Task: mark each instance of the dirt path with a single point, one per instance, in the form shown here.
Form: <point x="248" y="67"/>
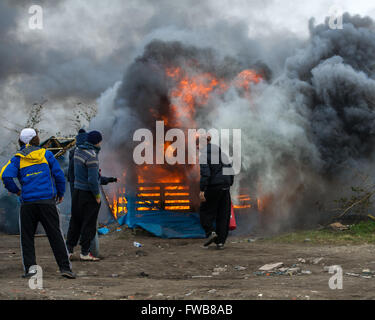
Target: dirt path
<point x="181" y="269"/>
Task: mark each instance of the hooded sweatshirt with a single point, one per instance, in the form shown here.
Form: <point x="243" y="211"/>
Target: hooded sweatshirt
<point x="86" y="169"/>
<point x="38" y="173"/>
<point x="80" y="140"/>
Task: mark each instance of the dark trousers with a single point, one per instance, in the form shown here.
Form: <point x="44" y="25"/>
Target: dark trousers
<point x="71" y="185"/>
<point x="82" y="224"/>
<point x="216" y="209"/>
<point x="48" y="216"/>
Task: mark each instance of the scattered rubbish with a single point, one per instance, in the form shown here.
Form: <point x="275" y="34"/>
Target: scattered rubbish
<point x="239" y="268"/>
<point x="307" y="240"/>
<point x="278" y="269"/>
<point x="260" y="295"/>
<point x="103" y="231"/>
<point x="215" y="273"/>
<point x="366" y="274"/>
<point x="293" y="271"/>
<point x="82" y="273"/>
<point x="306" y="272"/>
<point x="212" y="291"/>
<point x="269" y="267"/>
<point x="160" y="294"/>
<point x="310" y="260"/>
<point x="317" y="260"/>
<point x="115" y="275"/>
<point x="140" y="253"/>
<point x="137" y="244"/>
<point x="195" y="277"/>
<point x="189" y="293"/>
<point x="250" y="240"/>
<point x="337" y="226"/>
<point x="366" y="271"/>
<point x="143" y="274"/>
<point x="220" y="269"/>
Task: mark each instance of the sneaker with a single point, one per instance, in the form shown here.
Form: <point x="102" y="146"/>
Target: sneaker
<point x="220" y="246"/>
<point x="88" y="257"/>
<point x="211" y="239"/>
<point x="31" y="272"/>
<point x="68" y="274"/>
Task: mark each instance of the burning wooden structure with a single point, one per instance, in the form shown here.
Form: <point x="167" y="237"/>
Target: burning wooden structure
<point x="58" y="145"/>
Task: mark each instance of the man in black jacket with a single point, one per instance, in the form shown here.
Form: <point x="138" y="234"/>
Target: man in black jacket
<point x="214" y="194"/>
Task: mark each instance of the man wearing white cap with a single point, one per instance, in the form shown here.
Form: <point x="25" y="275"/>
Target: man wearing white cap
<point x="42" y="186"/>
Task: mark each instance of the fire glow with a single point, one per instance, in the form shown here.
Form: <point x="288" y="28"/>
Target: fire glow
<point x="158" y="187"/>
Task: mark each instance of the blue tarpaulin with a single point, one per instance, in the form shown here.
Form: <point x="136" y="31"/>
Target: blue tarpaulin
<point x="167" y="224"/>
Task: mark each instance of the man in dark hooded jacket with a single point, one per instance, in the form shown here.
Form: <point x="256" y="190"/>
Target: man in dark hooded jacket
<point x="80" y="140"/>
<point x="214" y="194"/>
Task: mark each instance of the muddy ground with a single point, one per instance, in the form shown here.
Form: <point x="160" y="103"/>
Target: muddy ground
<point x="181" y="269"/>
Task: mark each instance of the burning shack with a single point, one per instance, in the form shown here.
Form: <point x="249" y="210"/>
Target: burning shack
<point x="163" y="198"/>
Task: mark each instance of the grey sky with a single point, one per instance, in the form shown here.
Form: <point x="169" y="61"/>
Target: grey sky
<point x="86" y="46"/>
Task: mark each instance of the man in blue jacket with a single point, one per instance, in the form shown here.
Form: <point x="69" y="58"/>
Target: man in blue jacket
<point x="86" y="196"/>
<point x="80" y="140"/>
<point x="42" y="186"/>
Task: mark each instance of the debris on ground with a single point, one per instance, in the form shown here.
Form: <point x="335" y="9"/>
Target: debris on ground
<point x="271" y="266"/>
<point x="337" y="226"/>
<point x="137" y="244"/>
<point x="306" y="272"/>
<point x="352" y="274"/>
<point x="220" y="269"/>
<point x="140" y="253"/>
<point x="310" y="260"/>
<point x="293" y="271"/>
<point x="212" y="291"/>
<point x="143" y="274"/>
<point x="317" y="260"/>
<point x="278" y="269"/>
<point x="327" y="268"/>
<point x="239" y="268"/>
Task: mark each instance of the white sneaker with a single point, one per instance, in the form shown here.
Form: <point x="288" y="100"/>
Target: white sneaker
<point x="88" y="257"/>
